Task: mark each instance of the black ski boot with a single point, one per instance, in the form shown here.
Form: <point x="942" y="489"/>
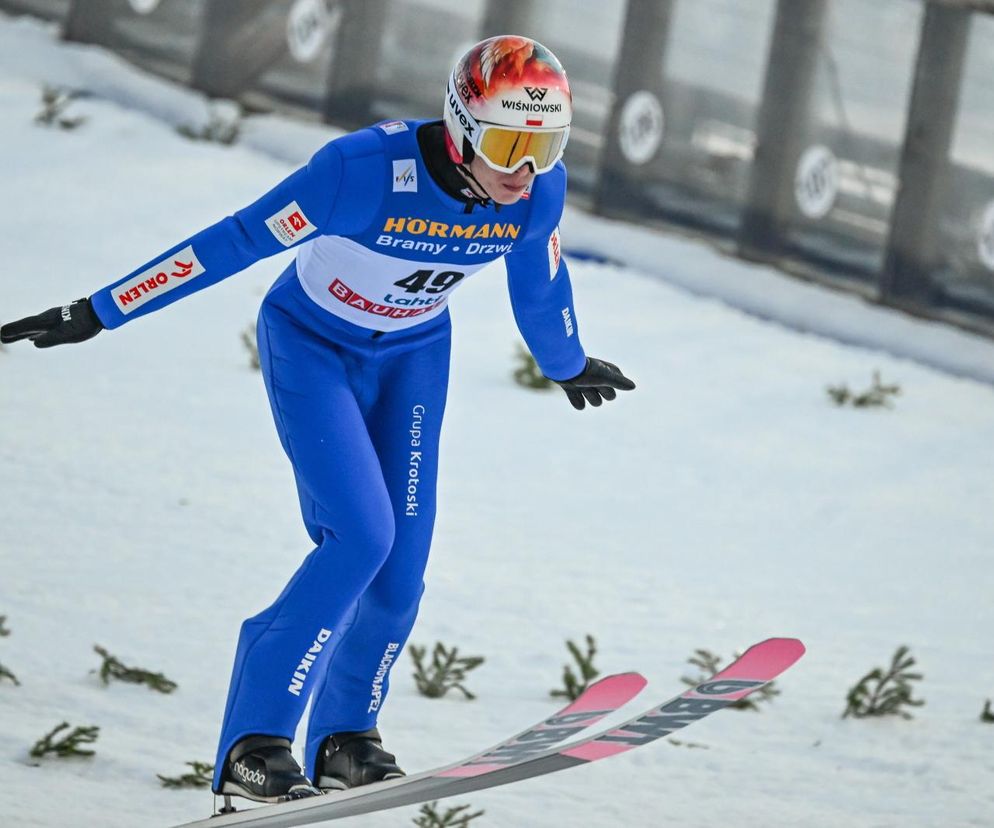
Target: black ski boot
<point x="262" y="768"/>
<point x="354" y="758"/>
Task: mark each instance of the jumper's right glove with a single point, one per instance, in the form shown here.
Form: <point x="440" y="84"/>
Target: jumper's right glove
<point x="75" y="322"/>
<point x="597" y="382"/>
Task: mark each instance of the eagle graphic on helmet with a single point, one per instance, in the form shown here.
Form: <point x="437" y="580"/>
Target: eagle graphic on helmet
<point x="505" y="87"/>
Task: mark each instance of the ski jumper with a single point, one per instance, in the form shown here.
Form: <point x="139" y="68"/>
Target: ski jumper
<point x="354" y="348"/>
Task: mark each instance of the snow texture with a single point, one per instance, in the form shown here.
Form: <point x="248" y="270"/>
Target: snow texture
<point x="147" y="506"/>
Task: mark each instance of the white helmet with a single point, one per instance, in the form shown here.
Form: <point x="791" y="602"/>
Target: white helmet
<point x="508" y="99"/>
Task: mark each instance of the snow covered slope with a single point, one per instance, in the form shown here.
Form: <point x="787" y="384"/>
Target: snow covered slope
<point x="146" y="506"/>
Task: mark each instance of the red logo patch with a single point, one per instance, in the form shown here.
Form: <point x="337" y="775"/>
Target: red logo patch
<point x="185" y="269"/>
<point x="343" y="293"/>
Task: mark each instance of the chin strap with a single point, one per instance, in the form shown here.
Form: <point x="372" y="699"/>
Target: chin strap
<point x="471" y="179"/>
<point x="459" y="159"/>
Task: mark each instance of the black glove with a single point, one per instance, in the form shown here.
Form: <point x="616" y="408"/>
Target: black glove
<point x="596" y="383"/>
<point x="75" y="322"/>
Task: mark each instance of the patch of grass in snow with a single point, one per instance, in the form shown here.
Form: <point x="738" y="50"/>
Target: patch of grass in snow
<point x="200" y="777"/>
<point x="574" y="685"/>
<point x="878" y="395"/>
<point x="528" y="374"/>
<point x="69" y="745"/>
<point x="54" y="103"/>
<point x="455" y="817"/>
<point x="112" y="668"/>
<point x="447" y="670"/>
<point x="709" y="665"/>
<point x="885" y="692"/>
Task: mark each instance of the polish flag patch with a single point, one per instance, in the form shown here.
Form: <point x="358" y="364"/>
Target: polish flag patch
<point x="554" y="253"/>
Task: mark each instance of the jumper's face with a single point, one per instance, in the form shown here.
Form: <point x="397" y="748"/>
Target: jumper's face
<point x="503" y="188"/>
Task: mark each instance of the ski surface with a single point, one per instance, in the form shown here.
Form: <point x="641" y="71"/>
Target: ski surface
<point x="597" y="701"/>
<point x="759" y="665"/>
<point x="516" y="759"/>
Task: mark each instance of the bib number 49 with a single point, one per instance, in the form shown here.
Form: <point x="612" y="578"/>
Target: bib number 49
<point x="428" y="281"/>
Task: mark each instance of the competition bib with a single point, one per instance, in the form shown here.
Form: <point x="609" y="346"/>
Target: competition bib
<point x="373" y="289"/>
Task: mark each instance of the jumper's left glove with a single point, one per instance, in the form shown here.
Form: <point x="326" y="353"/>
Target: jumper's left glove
<point x="598" y="381"/>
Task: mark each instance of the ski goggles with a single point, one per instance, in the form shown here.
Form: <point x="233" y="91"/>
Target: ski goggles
<point x="507" y="149"/>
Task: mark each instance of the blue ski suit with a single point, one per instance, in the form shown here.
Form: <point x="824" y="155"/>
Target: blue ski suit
<point x="354" y="348"/>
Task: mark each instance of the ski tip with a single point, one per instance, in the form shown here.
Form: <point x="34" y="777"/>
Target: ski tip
<point x="766" y="660"/>
<point x="610" y="691"/>
<point x="786" y="647"/>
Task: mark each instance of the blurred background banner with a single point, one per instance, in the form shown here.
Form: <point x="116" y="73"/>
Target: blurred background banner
<point x="846" y="141"/>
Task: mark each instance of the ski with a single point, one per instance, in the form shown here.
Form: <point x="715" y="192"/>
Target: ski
<point x="516" y="759"/>
<point x="759" y="665"/>
<point x="597" y="701"/>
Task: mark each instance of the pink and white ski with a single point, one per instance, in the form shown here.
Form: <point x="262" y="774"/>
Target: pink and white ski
<point x="597" y="701"/>
<point x="529" y="754"/>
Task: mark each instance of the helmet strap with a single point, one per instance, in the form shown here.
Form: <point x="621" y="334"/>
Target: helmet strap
<point x="450" y="147"/>
<point x="462" y="160"/>
<point x="474" y="184"/>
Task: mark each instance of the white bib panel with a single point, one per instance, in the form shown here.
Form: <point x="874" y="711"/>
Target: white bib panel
<point x="373" y="289"/>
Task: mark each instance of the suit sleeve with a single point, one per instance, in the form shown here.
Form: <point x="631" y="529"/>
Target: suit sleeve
<point x="287" y="215"/>
<point x="539" y="286"/>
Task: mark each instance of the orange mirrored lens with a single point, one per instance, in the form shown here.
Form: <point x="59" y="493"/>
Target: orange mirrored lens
<point x="507" y="147"/>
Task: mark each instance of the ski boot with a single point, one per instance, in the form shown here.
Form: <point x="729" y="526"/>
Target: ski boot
<point x="263" y="769"/>
<point x="353" y="758"/>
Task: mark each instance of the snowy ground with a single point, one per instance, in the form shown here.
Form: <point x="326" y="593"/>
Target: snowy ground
<point x="146" y="506"/>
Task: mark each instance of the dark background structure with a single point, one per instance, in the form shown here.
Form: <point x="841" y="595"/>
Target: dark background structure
<point x="845" y="141"/>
